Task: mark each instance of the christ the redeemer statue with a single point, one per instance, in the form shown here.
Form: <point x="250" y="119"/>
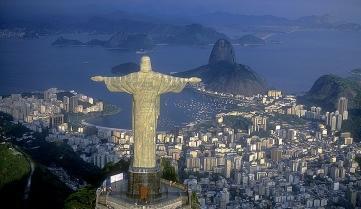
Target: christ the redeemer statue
<point x="145" y="86"/>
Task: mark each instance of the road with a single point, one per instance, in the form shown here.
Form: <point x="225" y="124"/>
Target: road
<point x="28" y="185"/>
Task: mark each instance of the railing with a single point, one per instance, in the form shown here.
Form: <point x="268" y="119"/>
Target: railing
<point x="173" y="193"/>
<point x="174" y="184"/>
<point x="127" y="203"/>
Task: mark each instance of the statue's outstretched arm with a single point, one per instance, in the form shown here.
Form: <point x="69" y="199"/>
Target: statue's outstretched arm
<point x="194" y="80"/>
<point x="115" y="84"/>
<point x="175" y="84"/>
<point x="98" y="78"/>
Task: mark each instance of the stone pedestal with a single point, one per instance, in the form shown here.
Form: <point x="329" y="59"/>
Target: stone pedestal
<point x="144" y="183"/>
<point x="171" y="196"/>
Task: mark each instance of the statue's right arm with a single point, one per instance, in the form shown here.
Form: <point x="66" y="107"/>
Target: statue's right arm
<point x="115" y="84"/>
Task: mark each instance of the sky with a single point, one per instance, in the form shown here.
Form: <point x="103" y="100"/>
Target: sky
<point x="342" y="9"/>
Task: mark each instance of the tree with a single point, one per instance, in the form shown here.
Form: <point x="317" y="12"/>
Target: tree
<point x="169" y="172"/>
<point x="84" y="198"/>
<point x="194" y="201"/>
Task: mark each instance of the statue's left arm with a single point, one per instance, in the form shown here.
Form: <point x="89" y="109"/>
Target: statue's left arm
<point x="175" y="84"/>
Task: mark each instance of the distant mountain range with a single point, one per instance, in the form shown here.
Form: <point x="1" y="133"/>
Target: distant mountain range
<point x="147" y="38"/>
<point x="197" y="29"/>
<point x="194" y="35"/>
<point x="158" y="32"/>
<point x="118" y="41"/>
<point x="136" y="31"/>
<point x="273" y="23"/>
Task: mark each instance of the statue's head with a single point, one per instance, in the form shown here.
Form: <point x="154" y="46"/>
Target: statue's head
<point x="145" y="65"/>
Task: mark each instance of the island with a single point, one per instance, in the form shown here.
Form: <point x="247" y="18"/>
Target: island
<point x="251" y="40"/>
<point x="61" y="41"/>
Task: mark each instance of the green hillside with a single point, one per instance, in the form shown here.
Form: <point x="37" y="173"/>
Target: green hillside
<point x="13" y="165"/>
<point x="14" y="171"/>
<point x="328" y="88"/>
<point x="326" y="91"/>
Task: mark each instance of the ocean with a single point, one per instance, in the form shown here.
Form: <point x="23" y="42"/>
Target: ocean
<point x="292" y="66"/>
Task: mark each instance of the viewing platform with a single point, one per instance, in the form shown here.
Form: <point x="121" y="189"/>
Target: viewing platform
<point x="172" y="196"/>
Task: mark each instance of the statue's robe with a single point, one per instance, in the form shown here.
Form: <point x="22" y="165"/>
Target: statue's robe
<point x="146" y="88"/>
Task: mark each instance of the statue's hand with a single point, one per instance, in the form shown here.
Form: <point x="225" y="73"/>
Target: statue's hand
<point x="97" y="78"/>
<point x="194" y="80"/>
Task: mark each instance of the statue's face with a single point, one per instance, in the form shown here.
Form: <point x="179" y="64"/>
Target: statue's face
<point x="145" y="65"/>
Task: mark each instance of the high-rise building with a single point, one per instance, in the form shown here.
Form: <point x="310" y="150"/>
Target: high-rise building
<point x="294" y="165"/>
<point x="237" y="162"/>
<point x="274" y="93"/>
<point x="330" y="118"/>
<point x="56" y="120"/>
<point x="193" y="163"/>
<point x="224" y="198"/>
<point x="259" y="123"/>
<point x="351" y="196"/>
<point x="228" y="168"/>
<point x="345" y="115"/>
<point x="313" y="109"/>
<point x="327" y="118"/>
<point x="334" y="172"/>
<point x="100" y="106"/>
<point x="318" y="112"/>
<point x="348" y="140"/>
<point x="73" y="103"/>
<point x="291" y="134"/>
<point x="238" y="178"/>
<point x="50" y="93"/>
<point x="339" y="122"/>
<point x="333" y="123"/>
<point x="66" y="103"/>
<point x="276" y="154"/>
<point x="342" y="105"/>
<point x="209" y="163"/>
<point x="102" y="159"/>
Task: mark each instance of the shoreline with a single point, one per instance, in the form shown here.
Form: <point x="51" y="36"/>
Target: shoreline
<point x="76" y="119"/>
<point x="85" y="123"/>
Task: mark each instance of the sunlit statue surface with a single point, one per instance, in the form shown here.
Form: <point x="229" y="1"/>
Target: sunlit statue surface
<point x="145" y="86"/>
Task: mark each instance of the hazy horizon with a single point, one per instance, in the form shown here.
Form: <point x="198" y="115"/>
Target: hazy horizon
<point x="349" y="10"/>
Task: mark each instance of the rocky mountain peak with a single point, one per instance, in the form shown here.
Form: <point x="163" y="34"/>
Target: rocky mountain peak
<point x="222" y="52"/>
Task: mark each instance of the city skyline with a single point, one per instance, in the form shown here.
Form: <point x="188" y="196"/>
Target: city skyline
<point x="202" y="104"/>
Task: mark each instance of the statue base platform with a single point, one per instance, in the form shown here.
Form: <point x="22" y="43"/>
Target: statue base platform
<point x="144" y="183"/>
<point x="171" y="196"/>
